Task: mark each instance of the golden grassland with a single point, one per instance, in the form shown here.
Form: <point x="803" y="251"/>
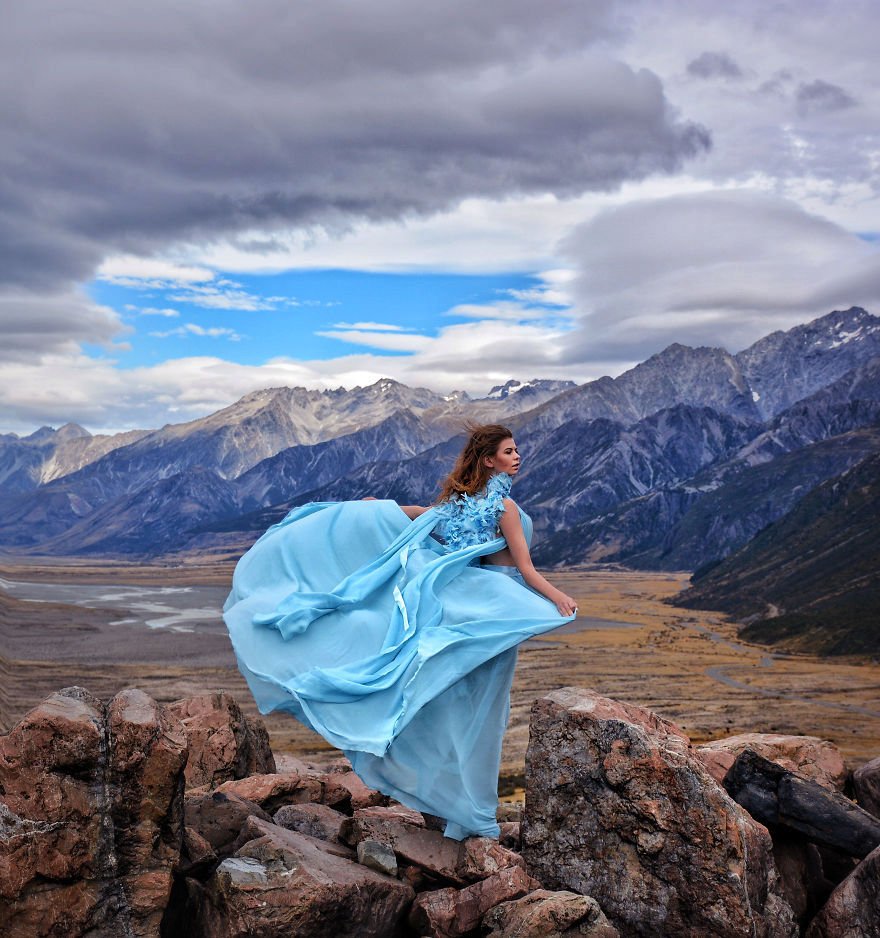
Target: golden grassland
<point x="686" y="665"/>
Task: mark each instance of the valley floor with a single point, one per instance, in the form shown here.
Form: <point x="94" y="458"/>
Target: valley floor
<point x="686" y="665"/>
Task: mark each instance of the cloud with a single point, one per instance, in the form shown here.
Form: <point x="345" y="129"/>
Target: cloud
<point x="153" y="311"/>
<point x="716" y="268"/>
<point x="191" y="328"/>
<point x="33" y="325"/>
<point x="714" y="65"/>
<point x="379" y="339"/>
<point x="816" y="97"/>
<point x="371" y="326"/>
<point x="139" y="136"/>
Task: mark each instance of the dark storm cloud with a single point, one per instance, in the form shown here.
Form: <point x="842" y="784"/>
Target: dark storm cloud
<point x="818" y="97"/>
<point x="129" y="125"/>
<point x="714" y="65"/>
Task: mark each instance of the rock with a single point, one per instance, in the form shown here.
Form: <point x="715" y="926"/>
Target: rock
<point x="545" y="914"/>
<point x="376" y="856"/>
<point x="511" y="835"/>
<point x="361" y="796"/>
<point x="316" y="820"/>
<point x="218" y="817"/>
<point x="618" y="809"/>
<point x="284" y="884"/>
<point x="392" y="812"/>
<point x="458" y="862"/>
<point x="776" y="796"/>
<point x="800" y="870"/>
<point x="273" y="791"/>
<point x="451" y="913"/>
<point x="197" y="856"/>
<point x="223" y="743"/>
<point x="809" y="756"/>
<point x="254" y="828"/>
<point x="91" y="815"/>
<point x="853" y="909"/>
<point x="509" y="811"/>
<point x="866" y="782"/>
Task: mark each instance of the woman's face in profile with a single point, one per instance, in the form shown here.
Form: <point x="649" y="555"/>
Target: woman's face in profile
<point x="506" y="459"/>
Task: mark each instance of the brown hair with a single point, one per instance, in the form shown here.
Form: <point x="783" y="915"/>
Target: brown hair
<point x="470" y="472"/>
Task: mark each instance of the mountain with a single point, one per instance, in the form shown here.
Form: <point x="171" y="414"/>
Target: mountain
<point x="677" y="461"/>
<point x="725" y="503"/>
<point x="755" y="384"/>
<point x="785" y="367"/>
<point x="808" y="581"/>
<point x="298" y="468"/>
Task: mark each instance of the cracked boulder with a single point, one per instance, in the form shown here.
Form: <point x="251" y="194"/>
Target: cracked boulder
<point x="618" y="808"/>
<point x="91" y="815"/>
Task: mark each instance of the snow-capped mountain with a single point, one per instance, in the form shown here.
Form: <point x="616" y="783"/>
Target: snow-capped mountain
<point x="629" y="468"/>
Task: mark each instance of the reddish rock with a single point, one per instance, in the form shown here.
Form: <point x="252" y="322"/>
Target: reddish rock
<point x="284" y="884"/>
<point x="459" y="862"/>
<point x="218" y="817"/>
<point x="866" y="782"/>
<point x="91" y="816"/>
<point x="273" y="791"/>
<point x="254" y="828"/>
<point x="223" y="743"/>
<point x="511" y="835"/>
<point x="801" y="876"/>
<point x="451" y="913"/>
<point x="545" y="914"/>
<point x="809" y="756"/>
<point x="197" y="856"/>
<point x="853" y="909"/>
<point x="315" y="820"/>
<point x="361" y="796"/>
<point x="618" y="809"/>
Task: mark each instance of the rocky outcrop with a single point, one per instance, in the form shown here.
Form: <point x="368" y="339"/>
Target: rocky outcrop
<point x="809" y="756"/>
<point x="545" y="914"/>
<point x="782" y="798"/>
<point x="619" y="809"/>
<point x="284" y="884"/>
<point x="866" y="783"/>
<point x="91" y="815"/>
<point x="624" y="833"/>
<point x="853" y="909"/>
<point x="224" y="744"/>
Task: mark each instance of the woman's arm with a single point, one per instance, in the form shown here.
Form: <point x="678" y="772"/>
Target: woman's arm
<point x="512" y="529"/>
<point x="411" y="511"/>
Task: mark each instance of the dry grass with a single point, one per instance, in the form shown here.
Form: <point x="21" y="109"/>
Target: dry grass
<point x="712" y="685"/>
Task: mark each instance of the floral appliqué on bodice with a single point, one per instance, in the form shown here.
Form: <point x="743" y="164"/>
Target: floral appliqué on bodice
<point x="466" y="520"/>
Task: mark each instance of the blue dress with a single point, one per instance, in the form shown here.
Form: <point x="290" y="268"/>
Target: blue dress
<point x="388" y="638"/>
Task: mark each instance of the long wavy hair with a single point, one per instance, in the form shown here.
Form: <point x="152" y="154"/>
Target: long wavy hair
<point x="470" y="472"/>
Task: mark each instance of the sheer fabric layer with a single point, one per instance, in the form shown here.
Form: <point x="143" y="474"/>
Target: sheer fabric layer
<point x="395" y="648"/>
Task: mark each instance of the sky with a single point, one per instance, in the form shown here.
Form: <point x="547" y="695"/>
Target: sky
<point x="200" y="200"/>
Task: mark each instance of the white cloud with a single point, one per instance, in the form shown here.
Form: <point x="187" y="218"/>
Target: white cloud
<point x="371" y="326"/>
<point x="191" y="328"/>
<point x="153" y="311"/>
<point x="130" y="270"/>
<point x="389" y="341"/>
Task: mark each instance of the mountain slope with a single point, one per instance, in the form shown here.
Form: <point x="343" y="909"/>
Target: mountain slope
<point x="809" y="581"/>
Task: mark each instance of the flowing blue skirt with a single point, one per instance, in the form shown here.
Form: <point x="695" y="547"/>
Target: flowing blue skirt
<point x="396" y="649"/>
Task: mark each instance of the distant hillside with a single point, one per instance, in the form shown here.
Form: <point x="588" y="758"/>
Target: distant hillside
<point x="809" y="581"/>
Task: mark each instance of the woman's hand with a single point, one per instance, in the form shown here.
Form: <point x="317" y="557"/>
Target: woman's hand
<point x="565" y="604"/>
<point x="368" y="498"/>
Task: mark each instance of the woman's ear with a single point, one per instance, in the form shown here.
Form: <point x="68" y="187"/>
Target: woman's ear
<point x="488" y="462"/>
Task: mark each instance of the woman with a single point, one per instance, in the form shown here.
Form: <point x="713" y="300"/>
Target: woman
<point x="390" y="632"/>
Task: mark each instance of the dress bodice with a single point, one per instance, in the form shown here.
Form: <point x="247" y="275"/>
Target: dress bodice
<point x="467" y="520"/>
